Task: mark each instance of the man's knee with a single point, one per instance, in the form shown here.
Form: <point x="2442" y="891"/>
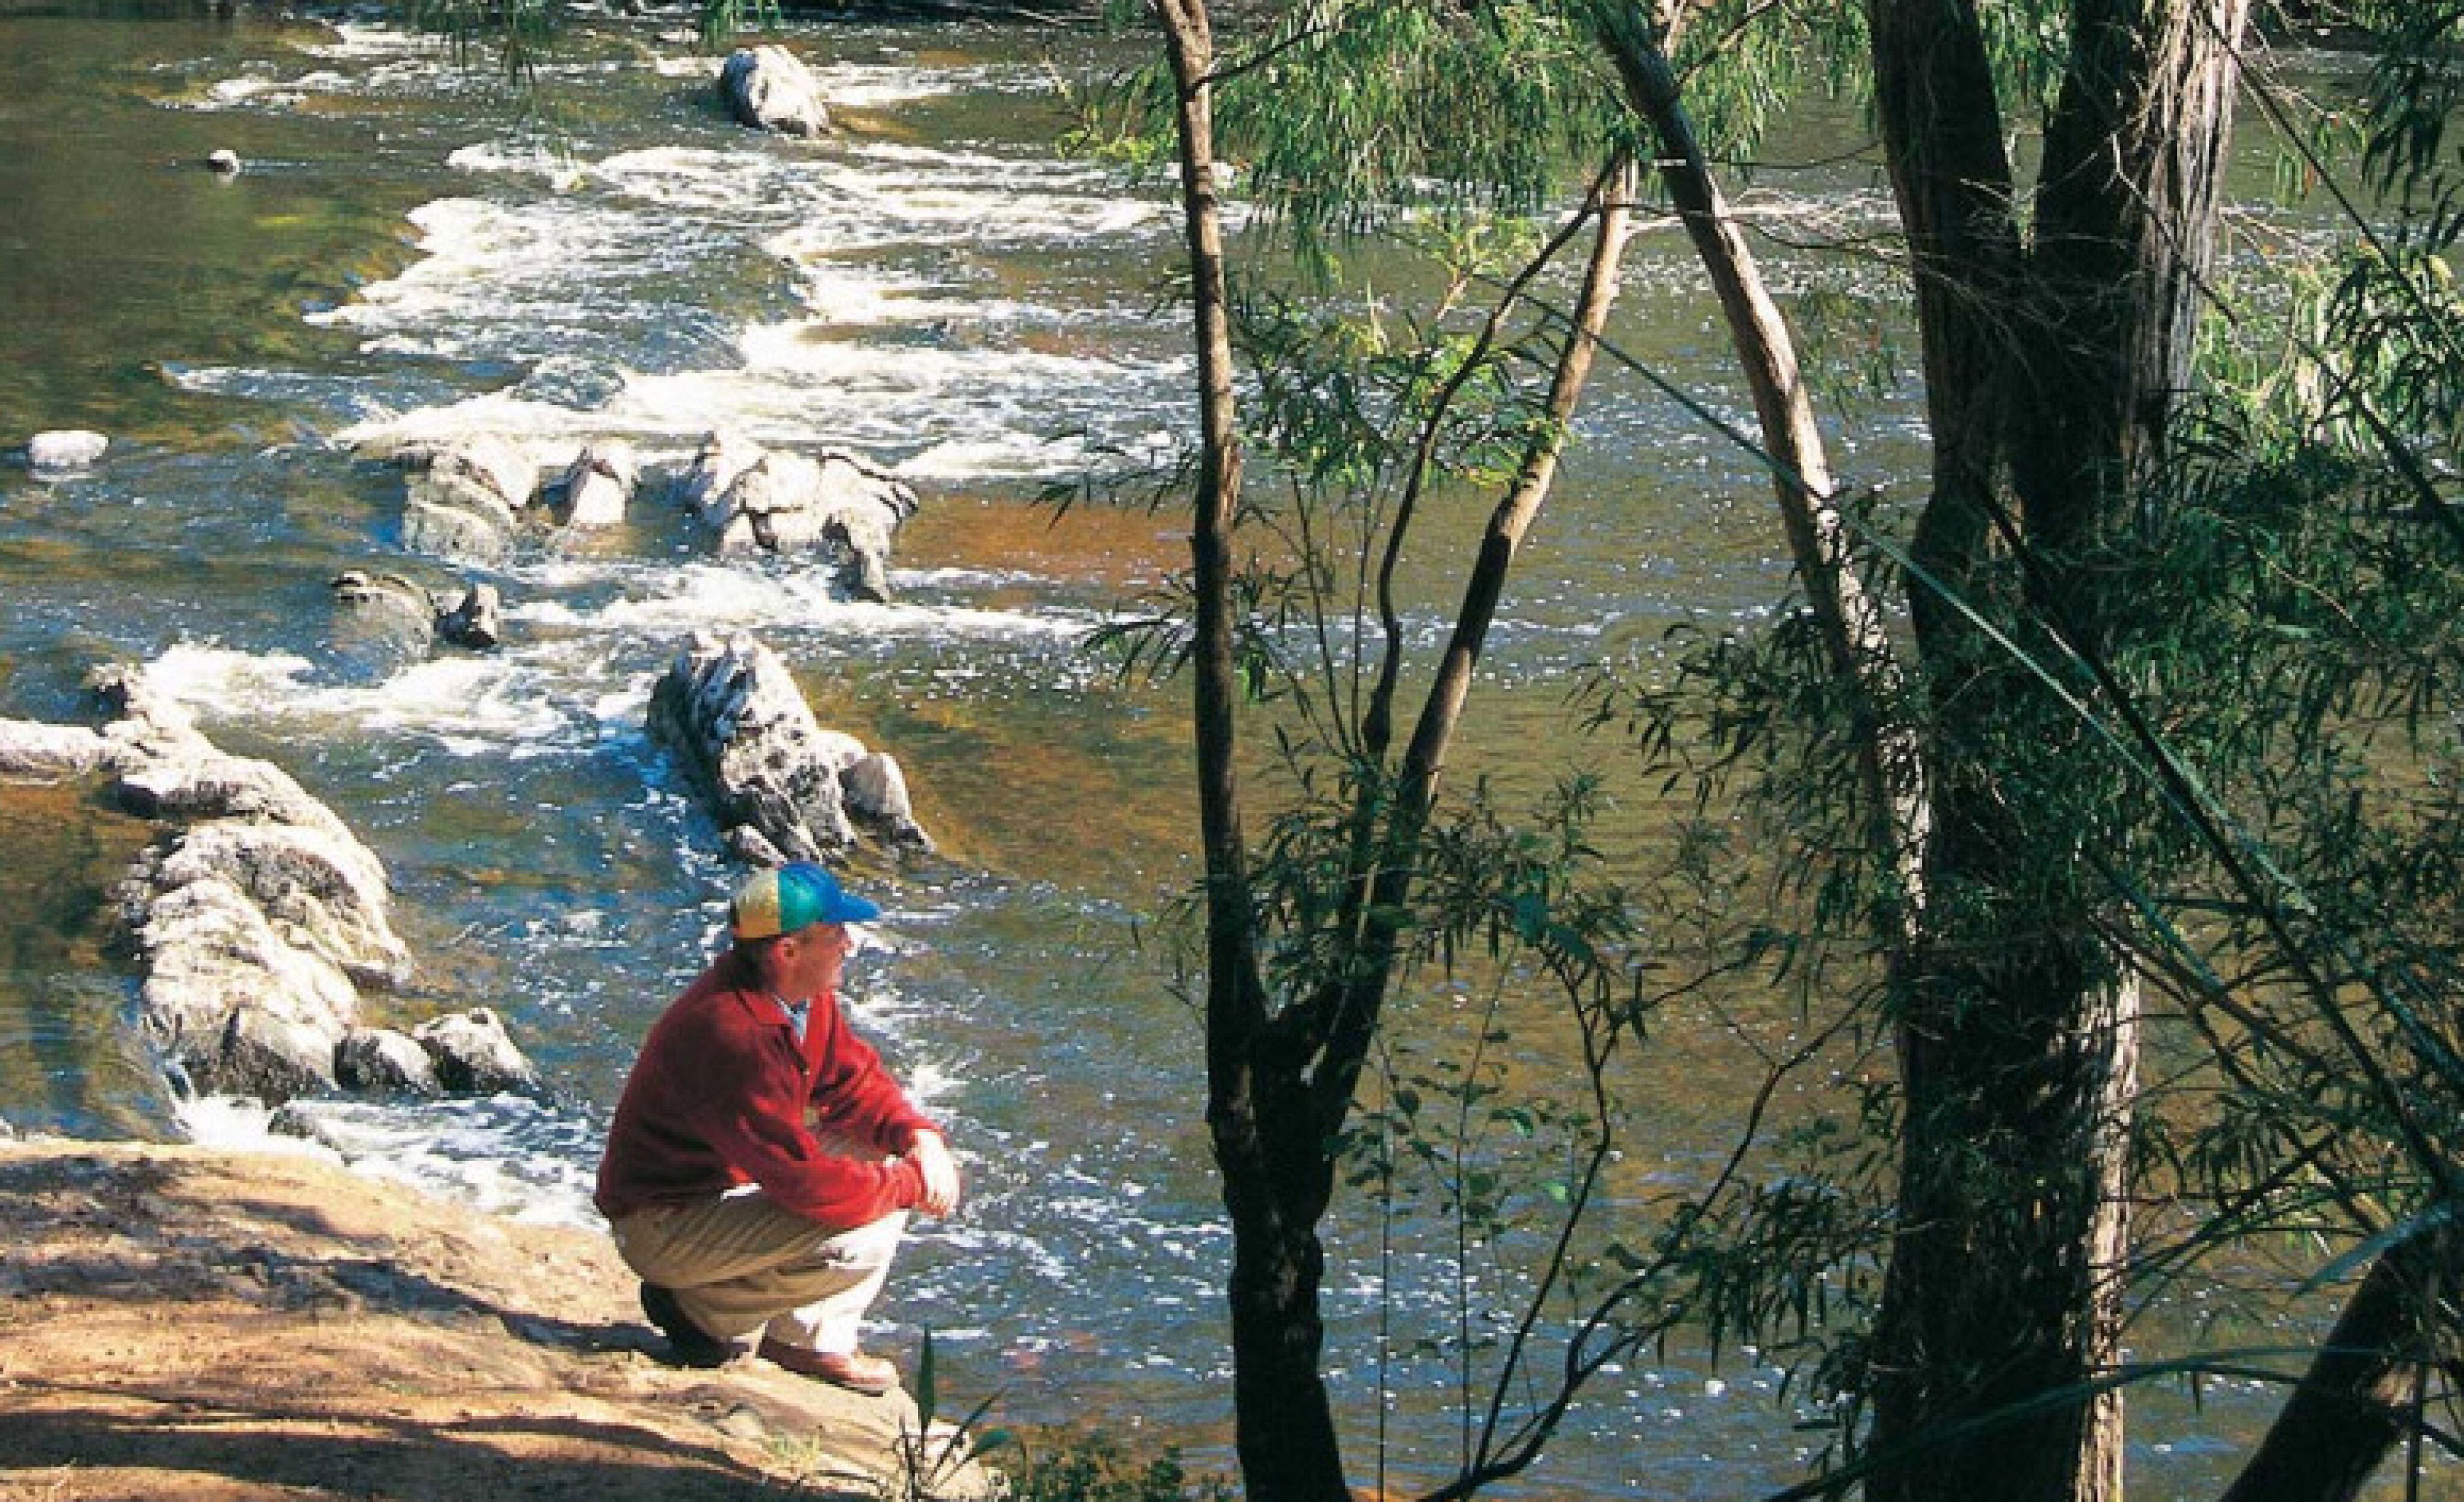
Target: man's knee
<point x="869" y="1245"/>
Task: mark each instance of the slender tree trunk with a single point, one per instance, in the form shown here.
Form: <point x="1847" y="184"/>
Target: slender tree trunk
<point x="1280" y="1087"/>
<point x="1274" y="1188"/>
<point x="1855" y="636"/>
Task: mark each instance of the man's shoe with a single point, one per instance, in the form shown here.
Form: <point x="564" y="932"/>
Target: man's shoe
<point x="688" y="1342"/>
<point x="852" y="1370"/>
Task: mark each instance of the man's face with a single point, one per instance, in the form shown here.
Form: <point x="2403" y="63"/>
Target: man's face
<point x="809" y="959"/>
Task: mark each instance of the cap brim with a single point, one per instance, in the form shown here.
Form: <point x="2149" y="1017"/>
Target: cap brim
<point x="852" y="908"/>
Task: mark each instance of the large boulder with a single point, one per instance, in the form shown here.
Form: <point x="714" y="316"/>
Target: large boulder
<point x="213" y="958"/>
<point x="721" y="458"/>
<point x="832" y="503"/>
<point x="476" y="621"/>
<point x="403" y="604"/>
<point x="34" y="752"/>
<point x="406" y="612"/>
<point x="465" y="496"/>
<point x="271" y="1056"/>
<point x="769" y="88"/>
<point x="734" y="712"/>
<point x="380" y="1061"/>
<point x="321" y="890"/>
<point x="258" y="917"/>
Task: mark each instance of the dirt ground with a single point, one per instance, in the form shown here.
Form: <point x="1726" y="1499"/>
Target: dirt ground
<point x="211" y="1327"/>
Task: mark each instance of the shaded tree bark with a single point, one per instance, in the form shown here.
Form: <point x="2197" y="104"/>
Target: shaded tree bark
<point x="1854" y="634"/>
<point x="2051" y="362"/>
<point x="2356" y="1404"/>
<point x="1276" y="1177"/>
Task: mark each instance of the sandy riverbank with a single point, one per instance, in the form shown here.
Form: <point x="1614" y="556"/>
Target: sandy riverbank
<point x="230" y="1327"/>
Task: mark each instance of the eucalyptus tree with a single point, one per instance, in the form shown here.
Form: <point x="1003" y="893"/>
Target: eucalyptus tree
<point x="2115" y="727"/>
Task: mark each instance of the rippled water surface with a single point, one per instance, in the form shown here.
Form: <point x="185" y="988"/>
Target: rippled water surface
<point x="415" y="248"/>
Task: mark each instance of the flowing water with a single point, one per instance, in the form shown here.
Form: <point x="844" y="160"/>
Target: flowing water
<point x="416" y="249"/>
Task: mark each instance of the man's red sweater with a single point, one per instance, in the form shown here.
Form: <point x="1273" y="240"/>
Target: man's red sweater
<point x="719" y="1098"/>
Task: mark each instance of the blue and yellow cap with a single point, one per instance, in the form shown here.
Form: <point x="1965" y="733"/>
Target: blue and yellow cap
<point x="792" y="896"/>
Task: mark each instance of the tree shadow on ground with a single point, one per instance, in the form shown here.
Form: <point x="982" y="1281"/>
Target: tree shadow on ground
<point x="317" y="1455"/>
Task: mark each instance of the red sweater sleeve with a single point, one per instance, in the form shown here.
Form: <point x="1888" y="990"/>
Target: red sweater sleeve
<point x="853" y="1095"/>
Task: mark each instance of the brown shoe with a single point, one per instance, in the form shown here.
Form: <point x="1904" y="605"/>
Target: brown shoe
<point x="852" y="1370"/>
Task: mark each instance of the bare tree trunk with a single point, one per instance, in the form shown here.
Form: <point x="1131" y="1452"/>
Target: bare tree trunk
<point x="1273" y="1187"/>
<point x="1280" y="1086"/>
<point x="2357" y="1400"/>
<point x="1855" y="635"/>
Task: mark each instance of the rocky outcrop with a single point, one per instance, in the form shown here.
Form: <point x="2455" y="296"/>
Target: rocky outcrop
<point x="832" y="503"/>
<point x="389" y="601"/>
<point x="465" y="496"/>
<point x="782" y="786"/>
<point x="599" y="484"/>
<point x="33" y="752"/>
<point x="64" y="450"/>
<point x="769" y="88"/>
<point x="258" y="917"/>
<point x="183" y="1323"/>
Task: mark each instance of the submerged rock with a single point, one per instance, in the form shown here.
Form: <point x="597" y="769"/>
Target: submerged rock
<point x="386" y="594"/>
<point x="64" y="450"/>
<point x="769" y="88"/>
<point x="833" y="503"/>
<point x="418" y="615"/>
<point x="734" y="712"/>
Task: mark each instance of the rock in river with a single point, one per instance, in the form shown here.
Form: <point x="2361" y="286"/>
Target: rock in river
<point x="769" y="88"/>
<point x="465" y="496"/>
<point x="64" y="450"/>
<point x="258" y="917"/>
<point x="833" y="503"/>
<point x="734" y="711"/>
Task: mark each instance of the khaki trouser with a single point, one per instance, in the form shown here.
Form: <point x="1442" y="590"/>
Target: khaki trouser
<point x="740" y="1264"/>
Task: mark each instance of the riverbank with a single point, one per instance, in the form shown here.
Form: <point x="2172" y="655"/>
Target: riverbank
<point x="236" y="1327"/>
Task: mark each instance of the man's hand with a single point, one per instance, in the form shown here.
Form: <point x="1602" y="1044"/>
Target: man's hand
<point x="930" y="1156"/>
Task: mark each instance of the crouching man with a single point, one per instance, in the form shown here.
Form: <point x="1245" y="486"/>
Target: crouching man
<point x="763" y="1162"/>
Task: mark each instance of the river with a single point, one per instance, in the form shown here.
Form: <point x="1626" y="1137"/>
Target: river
<point x="416" y="248"/>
